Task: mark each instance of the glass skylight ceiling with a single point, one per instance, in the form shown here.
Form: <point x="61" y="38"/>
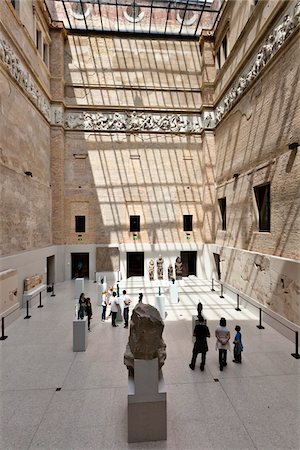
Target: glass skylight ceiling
<point x="179" y="18"/>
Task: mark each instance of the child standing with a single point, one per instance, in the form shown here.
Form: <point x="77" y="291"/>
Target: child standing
<point x="238" y="346"/>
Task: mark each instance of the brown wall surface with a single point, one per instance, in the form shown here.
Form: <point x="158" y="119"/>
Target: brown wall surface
<point x="25" y="146"/>
<point x="252" y="141"/>
<point x="172" y="177"/>
<point x="132" y="73"/>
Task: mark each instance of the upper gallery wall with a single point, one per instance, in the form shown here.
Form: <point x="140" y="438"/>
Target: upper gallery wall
<point x="133" y="142"/>
<point x="24" y="130"/>
<point x="257" y="173"/>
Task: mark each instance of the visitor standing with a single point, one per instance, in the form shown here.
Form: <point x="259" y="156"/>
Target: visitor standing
<point x="115" y="305"/>
<point x="104" y="305"/>
<point x="222" y="344"/>
<point x="89" y="312"/>
<point x="141" y="295"/>
<point x="126" y="302"/>
<point x="238" y="346"/>
<point x="201" y="333"/>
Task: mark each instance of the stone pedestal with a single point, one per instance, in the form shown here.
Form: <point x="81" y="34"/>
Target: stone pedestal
<point x="80" y="334"/>
<point x="147" y="403"/>
<point x="79" y="287"/>
<point x="119" y="317"/>
<point x="101" y="287"/>
<point x="160" y="301"/>
<point x="173" y="294"/>
<point x="195" y="322"/>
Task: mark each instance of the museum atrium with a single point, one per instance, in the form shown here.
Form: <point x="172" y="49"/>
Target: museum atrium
<point x="151" y="146"/>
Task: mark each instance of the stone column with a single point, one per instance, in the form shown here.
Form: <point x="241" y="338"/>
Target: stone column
<point x="57" y="133"/>
<point x="208" y="166"/>
<point x="208" y="69"/>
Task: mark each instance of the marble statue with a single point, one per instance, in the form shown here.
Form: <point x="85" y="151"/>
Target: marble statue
<point x="170" y="272"/>
<point x="151" y="270"/>
<point x="178" y="268"/>
<point x="160" y="267"/>
<point x="145" y="337"/>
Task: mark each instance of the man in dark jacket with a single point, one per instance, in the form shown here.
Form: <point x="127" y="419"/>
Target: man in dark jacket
<point x="201" y="332"/>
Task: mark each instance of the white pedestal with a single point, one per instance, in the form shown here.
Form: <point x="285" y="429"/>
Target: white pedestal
<point x="173" y="294"/>
<point x="80" y="334"/>
<point x="101" y="287"/>
<point x="147" y="403"/>
<point x="79" y="287"/>
<point x="160" y="305"/>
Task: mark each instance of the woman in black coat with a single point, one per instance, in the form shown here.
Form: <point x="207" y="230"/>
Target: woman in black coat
<point x="89" y="312"/>
<point x="201" y="332"/>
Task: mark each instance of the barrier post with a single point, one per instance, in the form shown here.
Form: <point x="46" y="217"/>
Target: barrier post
<point x="212" y="285"/>
<point x="3" y="337"/>
<point x="118" y="290"/>
<point x="296" y="354"/>
<point x="260" y="325"/>
<point x="237" y="303"/>
<point x="53" y="294"/>
<point x="95" y="277"/>
<point x="221" y="296"/>
<point x="40" y="305"/>
<point x="27" y="310"/>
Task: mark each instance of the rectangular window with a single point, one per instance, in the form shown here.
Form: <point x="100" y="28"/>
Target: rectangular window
<point x="38" y="40"/>
<point x="134" y="223"/>
<point x="222" y="206"/>
<point x="225" y="47"/>
<point x="262" y="197"/>
<point x="187" y="223"/>
<point x="45" y="54"/>
<point x="219" y="58"/>
<point x="80" y="224"/>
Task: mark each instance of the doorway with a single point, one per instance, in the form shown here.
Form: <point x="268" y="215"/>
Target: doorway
<point x="80" y="265"/>
<point x="50" y="270"/>
<point x="189" y="263"/>
<point x="217" y="263"/>
<point x="135" y="264"/>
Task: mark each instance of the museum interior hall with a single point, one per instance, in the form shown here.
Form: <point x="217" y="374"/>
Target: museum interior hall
<point x="150" y="146"/>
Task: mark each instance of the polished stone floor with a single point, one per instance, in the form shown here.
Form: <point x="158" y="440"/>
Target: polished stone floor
<point x="250" y="406"/>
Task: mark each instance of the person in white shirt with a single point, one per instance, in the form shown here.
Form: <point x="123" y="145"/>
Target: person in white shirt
<point x="104" y="305"/>
<point x="126" y="302"/>
<point x="115" y="305"/>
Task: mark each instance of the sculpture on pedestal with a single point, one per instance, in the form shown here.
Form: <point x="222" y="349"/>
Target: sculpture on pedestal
<point x="151" y="270"/>
<point x="145" y="337"/>
<point x="160" y="267"/>
<point x="170" y="272"/>
<point x="178" y="268"/>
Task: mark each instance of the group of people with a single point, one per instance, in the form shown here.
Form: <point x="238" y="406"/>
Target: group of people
<point x="222" y="334"/>
<point x="109" y="298"/>
<point x="85" y="309"/>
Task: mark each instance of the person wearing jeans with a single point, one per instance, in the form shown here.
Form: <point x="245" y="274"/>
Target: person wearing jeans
<point x="222" y="344"/>
<point x="114" y="308"/>
<point x="126" y="302"/>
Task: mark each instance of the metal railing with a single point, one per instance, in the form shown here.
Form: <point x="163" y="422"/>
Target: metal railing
<point x="260" y="326"/>
<point x="3" y="336"/>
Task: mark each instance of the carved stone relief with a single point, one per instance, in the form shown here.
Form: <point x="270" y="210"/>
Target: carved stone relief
<point x="12" y="64"/>
<point x="133" y="122"/>
<point x="272" y="44"/>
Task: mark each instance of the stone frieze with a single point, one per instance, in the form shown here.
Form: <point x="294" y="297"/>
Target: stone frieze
<point x="13" y="65"/>
<point x="272" y="44"/>
<point x="132" y="122"/>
